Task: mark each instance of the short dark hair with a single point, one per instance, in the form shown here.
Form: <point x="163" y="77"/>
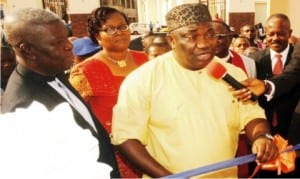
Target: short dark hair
<point x="280" y="16"/>
<point x="98" y="17"/>
<point x="224" y="24"/>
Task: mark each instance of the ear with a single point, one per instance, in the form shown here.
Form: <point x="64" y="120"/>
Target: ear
<point x="171" y="40"/>
<point x="26" y="50"/>
<point x="24" y="47"/>
<point x="98" y="37"/>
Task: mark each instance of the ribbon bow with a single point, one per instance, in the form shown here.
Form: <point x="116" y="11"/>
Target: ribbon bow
<point x="285" y="162"/>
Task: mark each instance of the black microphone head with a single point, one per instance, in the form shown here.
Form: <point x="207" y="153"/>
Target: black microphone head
<point x="216" y="70"/>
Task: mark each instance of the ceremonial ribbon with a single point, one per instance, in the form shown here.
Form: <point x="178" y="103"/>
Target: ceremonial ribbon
<point x="285" y="162"/>
<point x="242" y="160"/>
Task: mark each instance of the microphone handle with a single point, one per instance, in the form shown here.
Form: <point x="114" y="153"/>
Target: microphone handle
<point x="237" y="85"/>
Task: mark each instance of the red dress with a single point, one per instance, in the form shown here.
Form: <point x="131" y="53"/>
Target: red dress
<point x="95" y="82"/>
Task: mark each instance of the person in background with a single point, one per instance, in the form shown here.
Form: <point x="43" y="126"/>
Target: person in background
<point x="98" y="79"/>
<point x="156" y="49"/>
<point x="147" y="39"/>
<point x="151" y="26"/>
<point x="277" y="87"/>
<point x="8" y="64"/>
<point x="43" y="52"/>
<point x="250" y="50"/>
<point x="223" y="51"/>
<point x="141" y="42"/>
<point x="161" y="38"/>
<point x="249" y="31"/>
<point x="278" y="111"/>
<point x="83" y="48"/>
<point x="240" y="44"/>
<point x="170" y="107"/>
<point x="158" y="46"/>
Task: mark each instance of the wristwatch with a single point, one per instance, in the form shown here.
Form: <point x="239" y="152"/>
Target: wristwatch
<point x="266" y="135"/>
<point x="269" y="136"/>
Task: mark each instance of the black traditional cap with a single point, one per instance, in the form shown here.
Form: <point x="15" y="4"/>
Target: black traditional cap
<point x="187" y="14"/>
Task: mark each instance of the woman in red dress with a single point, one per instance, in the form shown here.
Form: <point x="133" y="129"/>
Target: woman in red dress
<point x="98" y="78"/>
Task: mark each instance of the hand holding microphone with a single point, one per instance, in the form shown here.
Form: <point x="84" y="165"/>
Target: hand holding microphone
<point x="217" y="70"/>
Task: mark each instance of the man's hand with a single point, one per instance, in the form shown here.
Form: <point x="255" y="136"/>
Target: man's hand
<point x="265" y="149"/>
<point x="252" y="85"/>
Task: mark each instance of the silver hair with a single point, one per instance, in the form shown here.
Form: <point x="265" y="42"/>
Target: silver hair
<point x="24" y="22"/>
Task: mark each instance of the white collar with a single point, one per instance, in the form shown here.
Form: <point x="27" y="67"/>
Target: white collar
<point x="283" y="54"/>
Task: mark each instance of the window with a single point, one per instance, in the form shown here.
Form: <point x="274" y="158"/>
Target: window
<point x="216" y="7"/>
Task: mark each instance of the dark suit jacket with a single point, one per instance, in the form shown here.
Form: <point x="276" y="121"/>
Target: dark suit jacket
<point x="291" y="77"/>
<point x="285" y="104"/>
<point x="25" y="86"/>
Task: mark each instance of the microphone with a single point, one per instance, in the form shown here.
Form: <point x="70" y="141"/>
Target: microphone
<point x="217" y="70"/>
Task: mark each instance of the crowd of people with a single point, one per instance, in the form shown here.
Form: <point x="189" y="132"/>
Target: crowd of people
<point x="149" y="106"/>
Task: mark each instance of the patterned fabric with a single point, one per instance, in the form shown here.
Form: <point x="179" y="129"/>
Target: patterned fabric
<point x="187" y="14"/>
<point x="94" y="80"/>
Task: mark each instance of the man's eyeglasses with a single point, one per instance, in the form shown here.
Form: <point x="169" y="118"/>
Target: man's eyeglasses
<point x="114" y="30"/>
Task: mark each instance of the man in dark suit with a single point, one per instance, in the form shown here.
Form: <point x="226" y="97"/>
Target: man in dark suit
<point x="290" y="77"/>
<point x="281" y="84"/>
<point x="279" y="110"/>
<point x="278" y="32"/>
<point x="44" y="52"/>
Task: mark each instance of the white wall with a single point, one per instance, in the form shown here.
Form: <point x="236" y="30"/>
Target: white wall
<point x="240" y="6"/>
<point x="82" y="6"/>
<point x="293" y="13"/>
<point x="13" y="5"/>
<point x="261" y="13"/>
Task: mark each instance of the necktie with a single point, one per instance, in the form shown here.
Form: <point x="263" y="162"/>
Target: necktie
<point x="278" y="67"/>
<point x="277" y="70"/>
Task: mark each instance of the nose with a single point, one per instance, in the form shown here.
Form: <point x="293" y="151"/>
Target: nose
<point x="243" y="47"/>
<point x="275" y="36"/>
<point x="118" y="32"/>
<point x="201" y="43"/>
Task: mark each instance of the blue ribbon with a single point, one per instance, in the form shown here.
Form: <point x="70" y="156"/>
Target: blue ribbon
<point x="220" y="165"/>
